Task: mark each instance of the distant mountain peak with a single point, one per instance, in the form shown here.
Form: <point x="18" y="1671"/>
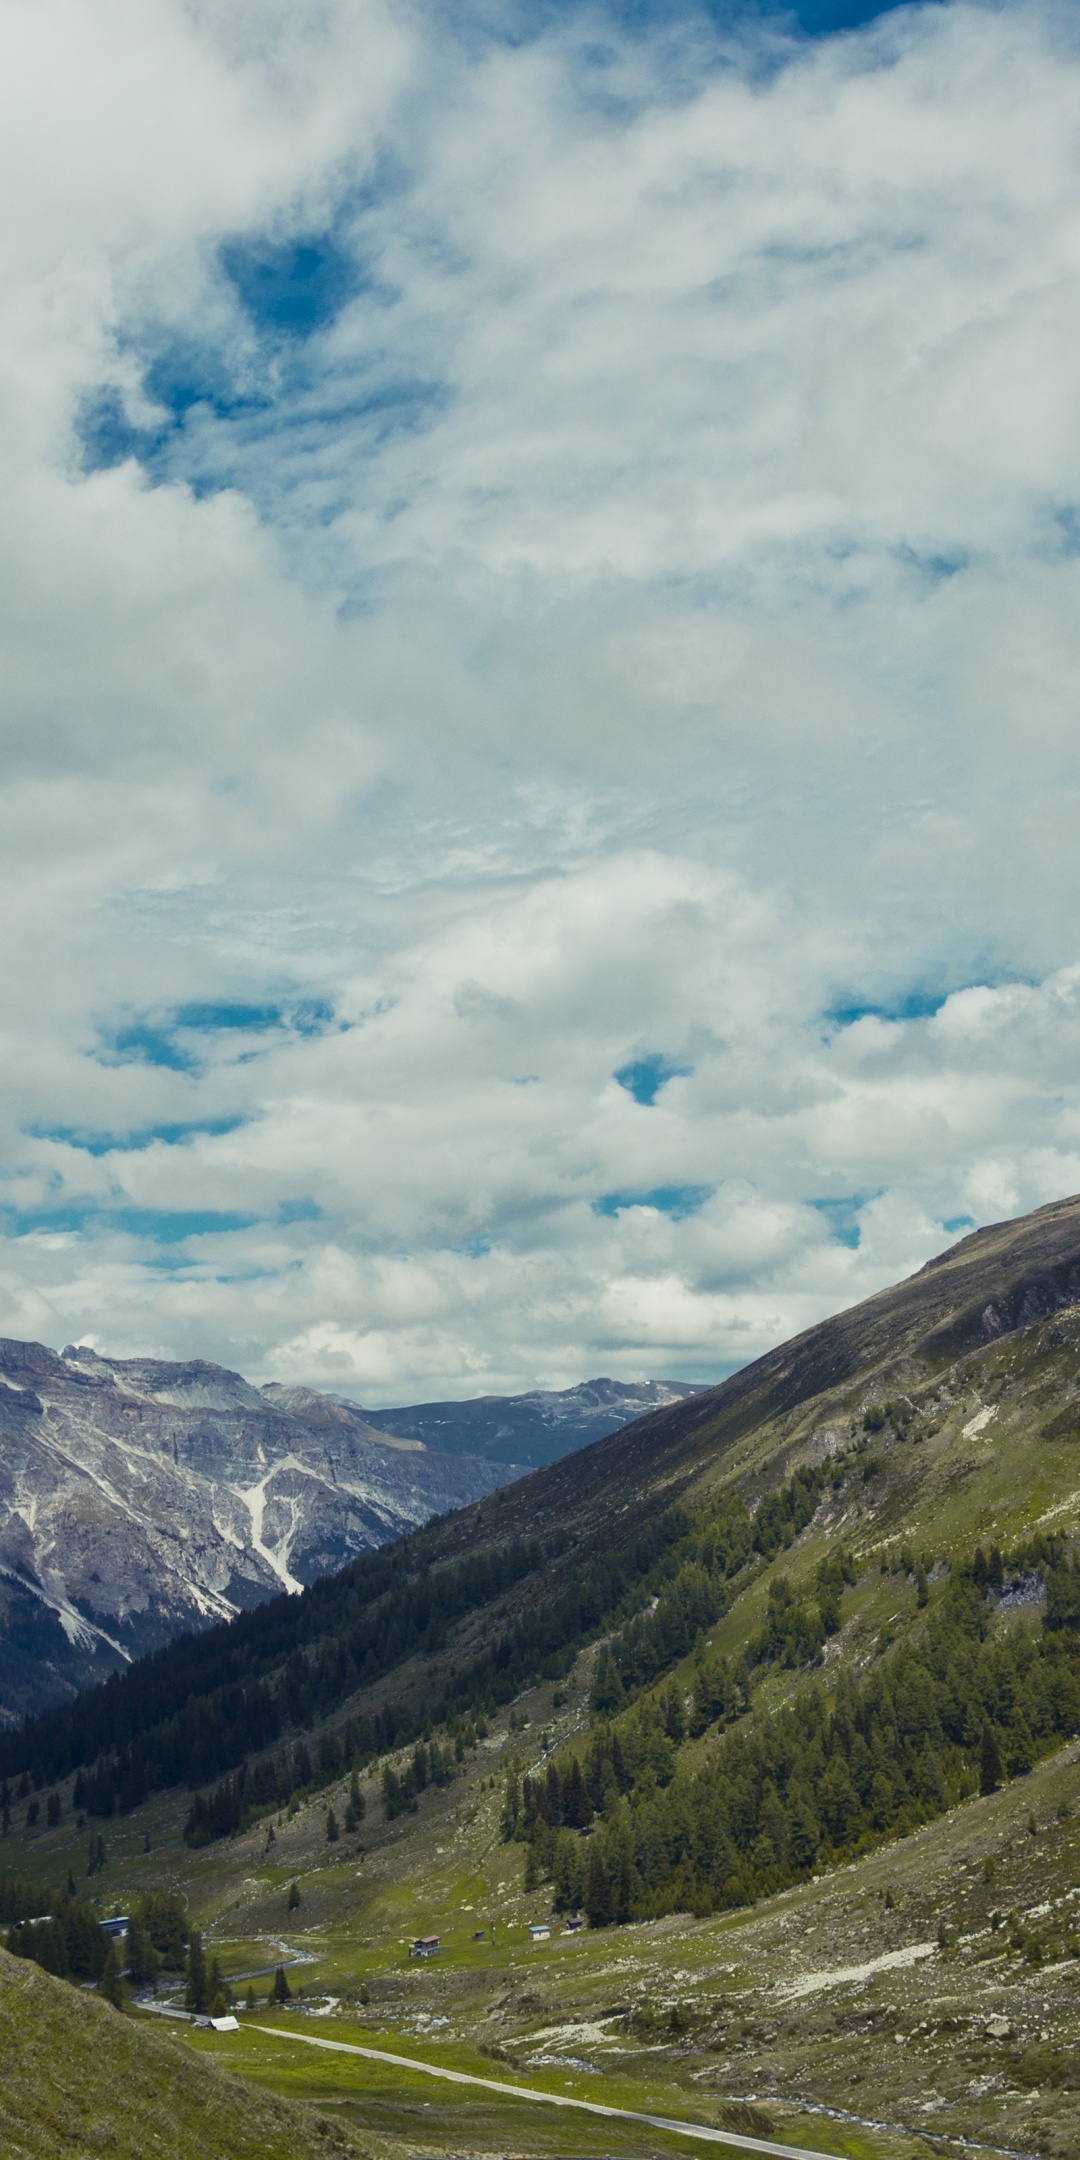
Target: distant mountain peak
<point x="536" y="1427"/>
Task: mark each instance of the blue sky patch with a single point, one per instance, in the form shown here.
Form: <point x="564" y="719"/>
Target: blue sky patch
<point x="313" y="1016"/>
<point x="178" y="375"/>
<point x="154" y="1042"/>
<point x="644" y="1077"/>
<point x="678" y="1201"/>
<point x="953" y="1223"/>
<point x="290" y="288"/>
<point x="812" y="18"/>
<point x="918" y="1004"/>
<point x="163" y="1226"/>
<point x="842" y="1217"/>
<point x="105" y="434"/>
<point x="294" y="1211"/>
<point x="208" y="1019"/>
<point x="133" y="1143"/>
<point x="143" y="1044"/>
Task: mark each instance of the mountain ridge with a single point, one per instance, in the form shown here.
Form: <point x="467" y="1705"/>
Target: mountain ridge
<point x="141" y="1497"/>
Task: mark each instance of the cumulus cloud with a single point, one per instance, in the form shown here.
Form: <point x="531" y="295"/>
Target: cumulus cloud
<point x="539" y="630"/>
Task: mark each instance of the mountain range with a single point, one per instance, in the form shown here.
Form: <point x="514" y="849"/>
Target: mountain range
<point x="140" y="1498"/>
<point x="531" y="1429"/>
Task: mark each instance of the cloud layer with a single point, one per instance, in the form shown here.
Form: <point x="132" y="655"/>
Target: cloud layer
<point x="539" y="631"/>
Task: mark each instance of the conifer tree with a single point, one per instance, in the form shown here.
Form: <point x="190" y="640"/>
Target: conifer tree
<point x="990" y="1762"/>
<point x="599" y="1904"/>
<point x="111" y="1983"/>
<point x="144" y="1962"/>
<point x="195" y="1993"/>
<point x="577" y="1808"/>
<point x="511" y="1809"/>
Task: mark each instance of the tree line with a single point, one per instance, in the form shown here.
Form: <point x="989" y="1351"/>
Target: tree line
<point x="70" y="1941"/>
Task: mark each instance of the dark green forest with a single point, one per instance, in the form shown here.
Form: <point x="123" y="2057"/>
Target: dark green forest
<point x="641" y="1825"/>
<point x="669" y="1583"/>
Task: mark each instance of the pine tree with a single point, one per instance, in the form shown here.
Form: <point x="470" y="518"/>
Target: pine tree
<point x="111" y="1983"/>
<point x="674" y="1715"/>
<point x="294" y="1896"/>
<point x="990" y="1762"/>
<point x="282" y="1992"/>
<point x="577" y="1808"/>
<point x="803" y="1832"/>
<point x="511" y="1809"/>
<point x="607" y="1688"/>
<point x="598" y="1901"/>
<point x="332" y="1831"/>
<point x="144" y="1962"/>
<point x="566" y="1871"/>
<point x="195" y="1993"/>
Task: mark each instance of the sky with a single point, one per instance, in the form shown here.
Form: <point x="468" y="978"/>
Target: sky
<point x="539" y="670"/>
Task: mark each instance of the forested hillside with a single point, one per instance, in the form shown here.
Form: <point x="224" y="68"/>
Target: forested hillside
<point x="725" y="1565"/>
<point x="759" y="1655"/>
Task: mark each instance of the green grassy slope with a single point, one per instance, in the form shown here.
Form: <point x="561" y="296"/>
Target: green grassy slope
<point x="77" y="2077"/>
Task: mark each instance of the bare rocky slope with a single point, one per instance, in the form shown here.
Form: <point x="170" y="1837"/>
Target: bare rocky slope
<point x="139" y="1499"/>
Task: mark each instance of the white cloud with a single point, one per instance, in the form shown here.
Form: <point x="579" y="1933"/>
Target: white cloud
<point x="637" y="622"/>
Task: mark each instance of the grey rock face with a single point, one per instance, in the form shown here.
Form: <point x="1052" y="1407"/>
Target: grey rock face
<point x="139" y="1499"/>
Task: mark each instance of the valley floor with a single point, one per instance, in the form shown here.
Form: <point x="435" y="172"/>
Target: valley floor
<point x="921" y="1999"/>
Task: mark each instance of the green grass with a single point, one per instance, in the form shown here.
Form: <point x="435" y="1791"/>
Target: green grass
<point x="78" y="2078"/>
<point x="393" y="2101"/>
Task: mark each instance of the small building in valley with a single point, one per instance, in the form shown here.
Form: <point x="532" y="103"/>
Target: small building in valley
<point x="424" y="1946"/>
